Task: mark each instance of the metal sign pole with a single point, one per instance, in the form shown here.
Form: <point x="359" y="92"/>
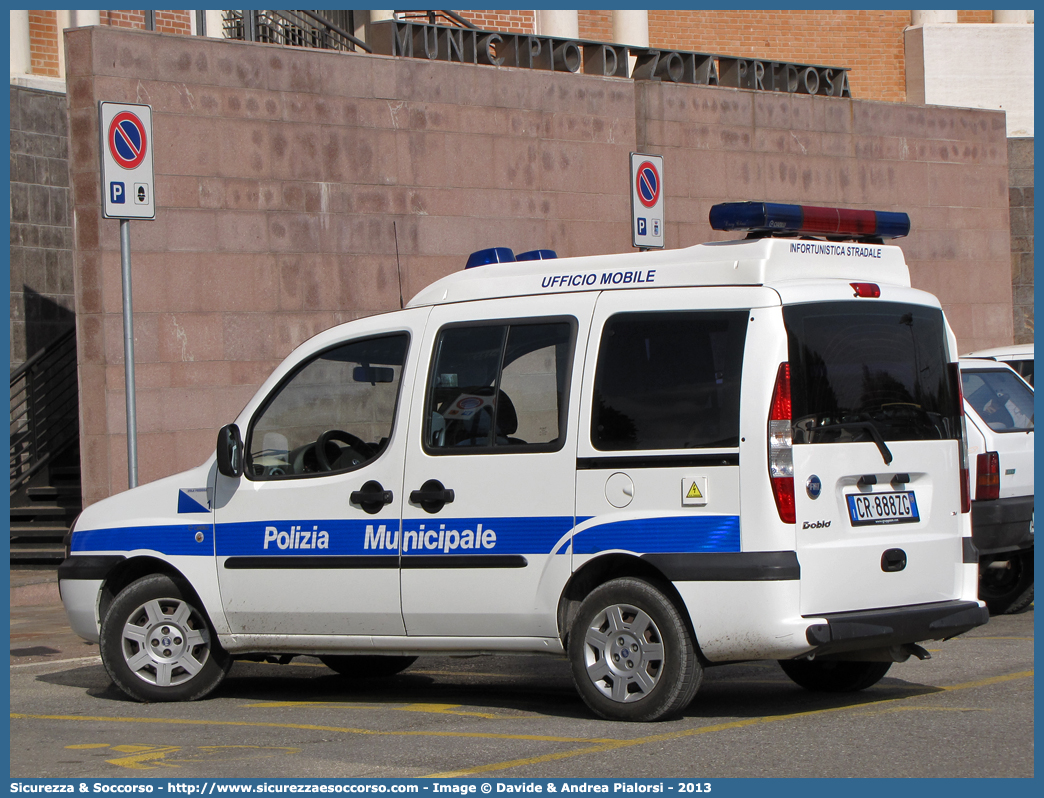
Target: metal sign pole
<point x="128" y="192"/>
<point x="128" y="356"/>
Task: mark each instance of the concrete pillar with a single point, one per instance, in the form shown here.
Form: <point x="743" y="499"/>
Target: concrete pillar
<point x="631" y="27"/>
<point x="72" y="19"/>
<point x="932" y="17"/>
<point x="1011" y="17"/>
<point x="381" y="16"/>
<point x="215" y="22"/>
<point x="562" y="24"/>
<point x="21" y="62"/>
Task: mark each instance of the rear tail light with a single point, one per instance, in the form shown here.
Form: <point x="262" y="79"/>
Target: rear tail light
<point x="987" y="476"/>
<point x="866" y="290"/>
<point x="955" y="376"/>
<point x="780" y="452"/>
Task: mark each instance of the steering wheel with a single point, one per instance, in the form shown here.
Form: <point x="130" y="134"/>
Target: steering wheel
<point x="358" y="445"/>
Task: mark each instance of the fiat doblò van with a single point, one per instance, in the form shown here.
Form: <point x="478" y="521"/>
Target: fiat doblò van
<point x="648" y="463"/>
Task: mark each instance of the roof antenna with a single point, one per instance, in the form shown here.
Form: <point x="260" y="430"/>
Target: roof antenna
<point x="398" y="269"/>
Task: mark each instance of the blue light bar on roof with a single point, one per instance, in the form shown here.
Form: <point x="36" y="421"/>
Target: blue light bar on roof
<point x="492" y="255"/>
<point x="537" y="254"/>
<point x="772" y="217"/>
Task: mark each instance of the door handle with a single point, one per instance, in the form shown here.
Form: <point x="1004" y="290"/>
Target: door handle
<point x="432" y="496"/>
<point x="371" y="497"/>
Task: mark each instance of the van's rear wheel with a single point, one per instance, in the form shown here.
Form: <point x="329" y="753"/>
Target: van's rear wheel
<point x="157" y="645"/>
<point x="1007" y="585"/>
<point x="366" y="666"/>
<point x="834" y="676"/>
<point x="631" y="653"/>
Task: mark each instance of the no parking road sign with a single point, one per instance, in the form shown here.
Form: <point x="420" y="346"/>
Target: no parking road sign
<point x="126" y="161"/>
<point x="647" y="200"/>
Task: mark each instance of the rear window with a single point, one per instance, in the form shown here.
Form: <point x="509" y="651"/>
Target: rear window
<point x="1000" y="398"/>
<point x="669" y="380"/>
<point x="863" y="367"/>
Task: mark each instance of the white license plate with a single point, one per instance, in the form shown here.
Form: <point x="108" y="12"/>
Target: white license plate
<point x="883" y="508"/>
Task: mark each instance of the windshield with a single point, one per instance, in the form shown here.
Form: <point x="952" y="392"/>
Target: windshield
<point x="1000" y="398"/>
<point x="863" y="370"/>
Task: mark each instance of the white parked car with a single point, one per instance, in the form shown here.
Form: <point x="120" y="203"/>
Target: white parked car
<point x="1018" y="356"/>
<point x="647" y="463"/>
<point x="998" y="407"/>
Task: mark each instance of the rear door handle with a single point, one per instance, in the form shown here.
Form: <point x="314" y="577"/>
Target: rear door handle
<point x="432" y="496"/>
<point x="372" y="497"/>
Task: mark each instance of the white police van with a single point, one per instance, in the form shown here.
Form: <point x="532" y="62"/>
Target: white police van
<point x="649" y="463"/>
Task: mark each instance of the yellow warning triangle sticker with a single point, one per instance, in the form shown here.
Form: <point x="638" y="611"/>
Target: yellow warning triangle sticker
<point x="694" y="492"/>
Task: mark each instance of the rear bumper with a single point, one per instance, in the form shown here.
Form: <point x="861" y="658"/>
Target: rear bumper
<point x="894" y="626"/>
<point x="1002" y="524"/>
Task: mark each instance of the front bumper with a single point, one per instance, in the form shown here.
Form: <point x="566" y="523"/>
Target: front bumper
<point x="80" y="580"/>
<point x="1002" y="525"/>
<point x="894" y="626"/>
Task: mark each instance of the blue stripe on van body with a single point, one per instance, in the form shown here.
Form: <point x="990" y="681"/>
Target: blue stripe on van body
<point x="687" y="533"/>
<point x="459" y="536"/>
<point x="173" y="539"/>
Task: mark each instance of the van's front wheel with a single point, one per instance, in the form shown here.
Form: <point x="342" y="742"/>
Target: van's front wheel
<point x="156" y="645"/>
<point x="631" y="653"/>
<point x="834" y="676"/>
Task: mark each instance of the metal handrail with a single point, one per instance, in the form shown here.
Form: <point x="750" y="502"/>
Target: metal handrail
<point x="44" y="408"/>
<point x="299" y="28"/>
<point x="433" y="17"/>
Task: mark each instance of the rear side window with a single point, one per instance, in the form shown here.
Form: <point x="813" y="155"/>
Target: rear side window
<point x="1024" y="367"/>
<point x="861" y="367"/>
<point x="669" y="381"/>
<point x="1000" y="398"/>
<point x="499" y="387"/>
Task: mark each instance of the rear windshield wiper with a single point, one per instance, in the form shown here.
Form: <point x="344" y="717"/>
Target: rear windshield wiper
<point x="863" y="425"/>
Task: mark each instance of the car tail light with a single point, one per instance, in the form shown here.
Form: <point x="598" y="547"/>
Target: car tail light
<point x="866" y="290"/>
<point x="987" y="476"/>
<point x="781" y="452"/>
<point x="955" y="376"/>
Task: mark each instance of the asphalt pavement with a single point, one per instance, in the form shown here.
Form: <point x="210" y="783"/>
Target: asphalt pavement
<point x="966" y="712"/>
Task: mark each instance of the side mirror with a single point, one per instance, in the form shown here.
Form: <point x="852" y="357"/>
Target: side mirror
<point x="230" y="451"/>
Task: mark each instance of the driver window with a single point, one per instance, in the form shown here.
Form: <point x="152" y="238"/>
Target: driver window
<point x="334" y="413"/>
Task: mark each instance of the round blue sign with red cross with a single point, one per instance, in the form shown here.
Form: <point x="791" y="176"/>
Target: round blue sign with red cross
<point x="648" y="184"/>
<point x="127" y="140"/>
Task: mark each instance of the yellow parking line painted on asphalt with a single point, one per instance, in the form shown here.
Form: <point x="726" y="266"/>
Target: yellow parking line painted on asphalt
<point x="592" y="746"/>
<point x="311" y="727"/>
<point x="892" y="710"/>
<point x="435" y="709"/>
<point x="738" y="724"/>
<point x="1001" y="638"/>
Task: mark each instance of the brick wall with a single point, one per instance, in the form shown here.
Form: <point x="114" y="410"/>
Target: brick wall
<point x="1020" y="162"/>
<point x="294" y="187"/>
<point x="43" y="43"/>
<point x="869" y="42"/>
<point x="511" y="21"/>
<point x="41" y="231"/>
<point x="596" y="25"/>
<point x="43" y="32"/>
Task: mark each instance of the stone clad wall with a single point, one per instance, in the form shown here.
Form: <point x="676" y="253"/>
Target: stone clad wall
<point x="1020" y="159"/>
<point x="298" y="189"/>
<point x="41" y="223"/>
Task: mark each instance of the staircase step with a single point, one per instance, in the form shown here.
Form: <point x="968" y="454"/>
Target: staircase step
<point x="40" y="511"/>
<point x="38" y="531"/>
<point x="36" y="553"/>
<point x="53" y="493"/>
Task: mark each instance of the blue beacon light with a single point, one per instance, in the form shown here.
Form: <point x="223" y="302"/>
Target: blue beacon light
<point x="772" y="217"/>
<point x="537" y="254"/>
<point x="492" y="255"/>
